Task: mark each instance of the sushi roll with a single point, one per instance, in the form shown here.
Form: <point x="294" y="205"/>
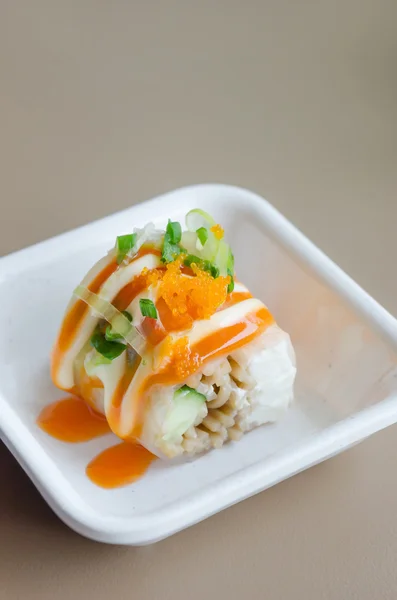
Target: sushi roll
<point x="162" y="339"/>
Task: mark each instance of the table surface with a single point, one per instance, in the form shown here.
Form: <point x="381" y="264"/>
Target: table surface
<point x="104" y="104"/>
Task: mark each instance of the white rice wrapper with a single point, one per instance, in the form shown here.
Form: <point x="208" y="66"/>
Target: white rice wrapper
<point x="252" y="386"/>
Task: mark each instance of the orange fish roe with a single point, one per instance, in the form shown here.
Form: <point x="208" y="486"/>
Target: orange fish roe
<point x="218" y="231"/>
<point x="151" y="277"/>
<point x="195" y="297"/>
<point x="182" y="299"/>
<point x="181" y="361"/>
<point x="172" y="322"/>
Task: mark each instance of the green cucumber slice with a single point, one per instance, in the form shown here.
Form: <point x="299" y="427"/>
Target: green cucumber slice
<point x="197" y="218"/>
<point x="187" y="404"/>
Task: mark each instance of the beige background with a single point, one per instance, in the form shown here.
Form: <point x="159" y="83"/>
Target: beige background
<point x="107" y="103"/>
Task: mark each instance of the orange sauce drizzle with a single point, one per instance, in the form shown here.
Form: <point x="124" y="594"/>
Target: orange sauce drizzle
<point x="230" y="338"/>
<point x="184" y="360"/>
<point x="113" y="415"/>
<point x="223" y="341"/>
<point x="79" y="309"/>
<point x="234" y="298"/>
<point x="72" y="420"/>
<point x="140" y="282"/>
<point x="73" y="318"/>
<point x="119" y="465"/>
<point x="127" y="294"/>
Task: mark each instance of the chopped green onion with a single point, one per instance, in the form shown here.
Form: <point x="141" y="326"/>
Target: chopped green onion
<point x="170" y="250"/>
<point x="230" y="271"/>
<point x="210" y="268"/>
<point x="205" y="265"/>
<point x="148" y="308"/>
<point x="174" y="231"/>
<point x="230" y="287"/>
<point x="213" y="269"/>
<point x="112" y="335"/>
<point x="192" y="259"/>
<point x="124" y="243"/>
<point x="202" y="234"/>
<point x="230" y="263"/>
<point x="108" y="349"/>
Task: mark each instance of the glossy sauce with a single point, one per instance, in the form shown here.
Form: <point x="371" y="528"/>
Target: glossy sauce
<point x="74" y="316"/>
<point x="169" y="321"/>
<point x="130" y="291"/>
<point x="72" y="420"/>
<point x="113" y="414"/>
<point x="234" y="298"/>
<point x="80" y="308"/>
<point x="119" y="465"/>
<point x="221" y="342"/>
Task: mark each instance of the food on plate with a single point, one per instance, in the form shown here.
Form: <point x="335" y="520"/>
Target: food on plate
<point x="163" y="340"/>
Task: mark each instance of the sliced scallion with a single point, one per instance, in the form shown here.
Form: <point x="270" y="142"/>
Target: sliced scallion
<point x="230" y="287"/>
<point x="202" y="234"/>
<point x="205" y="265"/>
<point x="192" y="259"/>
<point x="148" y="308"/>
<point x="112" y="335"/>
<point x="170" y="250"/>
<point x="124" y="243"/>
<point x="230" y="262"/>
<point x="213" y="270"/>
<point x="230" y="271"/>
<point x="174" y="231"/>
<point x="108" y="349"/>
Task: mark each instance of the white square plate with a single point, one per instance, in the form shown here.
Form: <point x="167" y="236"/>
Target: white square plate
<point x="345" y="391"/>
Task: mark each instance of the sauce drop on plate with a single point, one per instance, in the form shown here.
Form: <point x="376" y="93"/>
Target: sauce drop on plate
<point x="119" y="465"/>
<point x="72" y="420"/>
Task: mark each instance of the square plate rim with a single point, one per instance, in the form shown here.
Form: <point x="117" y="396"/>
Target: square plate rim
<point x="140" y="530"/>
